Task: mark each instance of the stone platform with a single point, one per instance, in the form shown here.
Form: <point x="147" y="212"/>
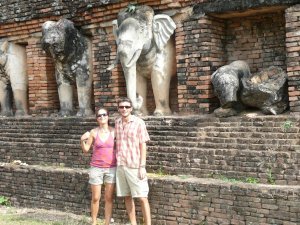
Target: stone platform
<point x="195" y="164"/>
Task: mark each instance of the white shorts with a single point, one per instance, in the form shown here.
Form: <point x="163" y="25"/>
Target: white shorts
<point x="129" y="184"/>
<point x="99" y="176"/>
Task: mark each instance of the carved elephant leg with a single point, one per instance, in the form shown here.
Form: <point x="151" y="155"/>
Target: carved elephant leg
<point x="84" y="90"/>
<point x="161" y="88"/>
<point x="20" y="97"/>
<point x="65" y="93"/>
<point x="141" y="87"/>
<point x="6" y="99"/>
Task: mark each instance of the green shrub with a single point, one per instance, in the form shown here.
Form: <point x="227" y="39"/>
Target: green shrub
<point x="4" y="200"/>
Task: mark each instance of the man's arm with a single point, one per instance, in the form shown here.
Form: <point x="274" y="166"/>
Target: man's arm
<point x="142" y="167"/>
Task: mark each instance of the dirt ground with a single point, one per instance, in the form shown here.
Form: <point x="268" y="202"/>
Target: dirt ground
<point x="32" y="216"/>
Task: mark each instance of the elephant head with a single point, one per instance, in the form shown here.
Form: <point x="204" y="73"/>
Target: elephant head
<point x="58" y="39"/>
<point x="140" y="35"/>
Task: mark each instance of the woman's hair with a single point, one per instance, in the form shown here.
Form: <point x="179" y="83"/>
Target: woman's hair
<point x="102" y="108"/>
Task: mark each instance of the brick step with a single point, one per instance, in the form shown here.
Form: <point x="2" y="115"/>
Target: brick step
<point x="161" y="134"/>
<point x="255" y="138"/>
<point x="23" y="138"/>
<point x="69" y="154"/>
<point x="264" y="129"/>
<point x="241" y="146"/>
<point x="47" y="153"/>
<point x="172" y="198"/>
<point x="229" y="143"/>
<point x="207" y="162"/>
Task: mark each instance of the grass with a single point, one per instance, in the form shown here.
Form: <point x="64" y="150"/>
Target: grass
<point x="287" y="125"/>
<point x="250" y="180"/>
<point x="17" y="216"/>
<point x="20" y="220"/>
<point x="270" y="177"/>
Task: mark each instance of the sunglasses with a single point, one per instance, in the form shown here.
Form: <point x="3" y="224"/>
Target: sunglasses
<point x="125" y="106"/>
<point x="102" y="115"/>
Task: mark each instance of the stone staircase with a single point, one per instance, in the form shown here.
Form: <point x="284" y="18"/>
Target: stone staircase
<point x="195" y="163"/>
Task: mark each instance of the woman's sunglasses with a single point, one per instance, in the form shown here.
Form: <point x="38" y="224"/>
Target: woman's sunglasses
<point x="102" y="115"/>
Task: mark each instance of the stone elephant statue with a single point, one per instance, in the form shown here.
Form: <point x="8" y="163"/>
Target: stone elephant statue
<point x="238" y="89"/>
<point x="13" y="79"/>
<point x="145" y="51"/>
<point x="69" y="50"/>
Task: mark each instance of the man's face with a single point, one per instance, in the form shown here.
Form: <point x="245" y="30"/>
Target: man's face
<point x="125" y="109"/>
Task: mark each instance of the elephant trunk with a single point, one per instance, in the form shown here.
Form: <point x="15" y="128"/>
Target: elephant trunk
<point x="130" y="77"/>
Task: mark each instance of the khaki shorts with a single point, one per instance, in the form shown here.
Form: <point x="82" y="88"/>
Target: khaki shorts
<point x="128" y="183"/>
<point x="99" y="176"/>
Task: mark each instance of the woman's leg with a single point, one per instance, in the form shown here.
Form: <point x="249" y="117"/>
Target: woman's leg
<point x="109" y="194"/>
<point x="96" y="194"/>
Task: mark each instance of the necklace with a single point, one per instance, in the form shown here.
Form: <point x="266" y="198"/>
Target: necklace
<point x="102" y="130"/>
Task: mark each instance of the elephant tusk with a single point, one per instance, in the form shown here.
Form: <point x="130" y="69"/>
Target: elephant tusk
<point x="113" y="65"/>
<point x="134" y="58"/>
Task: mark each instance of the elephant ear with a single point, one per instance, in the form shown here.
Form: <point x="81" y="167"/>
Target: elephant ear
<point x="115" y="28"/>
<point x="115" y="32"/>
<point x="47" y="26"/>
<point x="163" y="28"/>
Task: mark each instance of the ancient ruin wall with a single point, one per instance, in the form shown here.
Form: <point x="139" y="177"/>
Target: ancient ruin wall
<point x="204" y="41"/>
<point x="174" y="200"/>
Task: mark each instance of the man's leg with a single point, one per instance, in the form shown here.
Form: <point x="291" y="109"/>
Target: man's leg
<point x="123" y="190"/>
<point x="145" y="210"/>
<point x="130" y="207"/>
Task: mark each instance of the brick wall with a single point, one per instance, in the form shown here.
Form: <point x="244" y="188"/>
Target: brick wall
<point x="292" y="17"/>
<point x="200" y="51"/>
<point x="203" y="43"/>
<point x="204" y="147"/>
<point x="173" y="200"/>
<point x="42" y="87"/>
<point x="258" y="40"/>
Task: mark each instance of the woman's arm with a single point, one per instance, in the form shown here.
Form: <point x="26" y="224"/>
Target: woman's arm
<point x="86" y="141"/>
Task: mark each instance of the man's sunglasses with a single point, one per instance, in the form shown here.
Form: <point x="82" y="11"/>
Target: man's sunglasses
<point x="125" y="106"/>
<point x="102" y="115"/>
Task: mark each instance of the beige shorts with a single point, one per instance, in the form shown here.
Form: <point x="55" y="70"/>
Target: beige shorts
<point x="99" y="176"/>
<point x="128" y="183"/>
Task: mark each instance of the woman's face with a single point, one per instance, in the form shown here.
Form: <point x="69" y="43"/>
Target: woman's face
<point x="102" y="116"/>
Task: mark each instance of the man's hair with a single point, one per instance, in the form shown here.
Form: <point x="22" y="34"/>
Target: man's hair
<point x="124" y="99"/>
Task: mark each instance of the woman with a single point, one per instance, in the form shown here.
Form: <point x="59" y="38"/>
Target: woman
<point x="103" y="164"/>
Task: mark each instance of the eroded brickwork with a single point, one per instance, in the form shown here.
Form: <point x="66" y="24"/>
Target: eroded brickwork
<point x="204" y="41"/>
<point x="173" y="200"/>
<point x="259" y="40"/>
<point x="292" y="16"/>
<point x="42" y="87"/>
<point x="200" y="51"/>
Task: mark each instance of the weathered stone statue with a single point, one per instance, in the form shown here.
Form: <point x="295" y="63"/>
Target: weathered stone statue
<point x="237" y="88"/>
<point x="146" y="51"/>
<point x="13" y="79"/>
<point x="69" y="50"/>
<point x="266" y="90"/>
<point x="227" y="87"/>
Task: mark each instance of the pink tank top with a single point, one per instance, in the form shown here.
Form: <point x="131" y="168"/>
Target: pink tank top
<point x="104" y="155"/>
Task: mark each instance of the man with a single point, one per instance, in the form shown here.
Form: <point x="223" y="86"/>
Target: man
<point x="131" y="137"/>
